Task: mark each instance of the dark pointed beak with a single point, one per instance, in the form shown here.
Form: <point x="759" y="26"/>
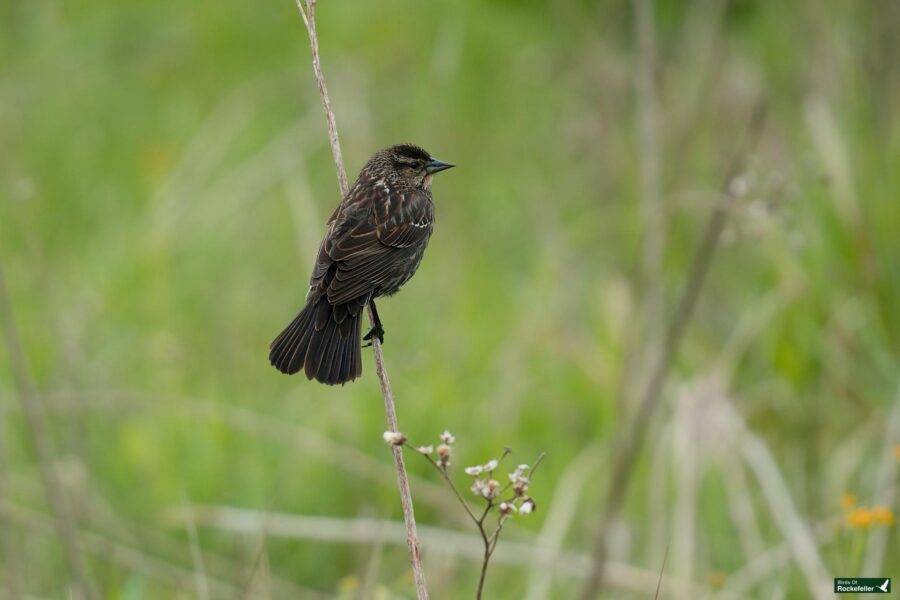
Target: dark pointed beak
<point x="436" y="166"/>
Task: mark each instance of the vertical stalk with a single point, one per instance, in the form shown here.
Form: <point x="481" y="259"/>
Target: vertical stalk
<point x="308" y="14"/>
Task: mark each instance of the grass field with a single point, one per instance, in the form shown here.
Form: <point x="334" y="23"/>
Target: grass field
<point x="165" y="177"/>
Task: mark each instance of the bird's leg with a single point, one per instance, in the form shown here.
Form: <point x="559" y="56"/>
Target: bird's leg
<point x="377" y="331"/>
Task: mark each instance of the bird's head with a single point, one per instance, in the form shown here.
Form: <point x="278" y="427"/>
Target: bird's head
<point x="407" y="166"/>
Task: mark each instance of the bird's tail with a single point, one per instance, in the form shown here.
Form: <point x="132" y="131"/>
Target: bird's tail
<point x="323" y="340"/>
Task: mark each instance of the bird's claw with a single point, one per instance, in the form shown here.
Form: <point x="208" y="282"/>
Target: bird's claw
<point x="375" y="332"/>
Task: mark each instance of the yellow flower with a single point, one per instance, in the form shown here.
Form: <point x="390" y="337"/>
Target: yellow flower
<point x="882" y="515"/>
<point x="848" y="501"/>
<point x="717" y="579"/>
<point x="860" y="518"/>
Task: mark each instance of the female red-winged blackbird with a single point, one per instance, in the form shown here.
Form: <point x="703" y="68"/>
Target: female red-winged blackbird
<point x="375" y="241"/>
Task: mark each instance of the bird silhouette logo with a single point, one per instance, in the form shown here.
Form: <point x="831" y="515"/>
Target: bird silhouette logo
<point x="884" y="586"/>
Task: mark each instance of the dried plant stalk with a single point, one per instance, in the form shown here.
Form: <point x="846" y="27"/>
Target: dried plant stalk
<point x="632" y="441"/>
<point x="308" y="13"/>
<point x="36" y="422"/>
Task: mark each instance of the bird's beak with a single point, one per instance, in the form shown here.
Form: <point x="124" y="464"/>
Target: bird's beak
<point x="436" y="166"/>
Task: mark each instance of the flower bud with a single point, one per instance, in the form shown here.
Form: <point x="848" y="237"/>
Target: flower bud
<point x="443" y="452"/>
<point x="506" y="508"/>
<point x="393" y="438"/>
<point x="527" y="507"/>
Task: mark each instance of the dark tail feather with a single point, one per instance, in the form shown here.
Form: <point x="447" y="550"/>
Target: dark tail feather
<point x="325" y="349"/>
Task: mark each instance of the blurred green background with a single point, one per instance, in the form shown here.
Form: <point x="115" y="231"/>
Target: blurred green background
<point x="164" y="182"/>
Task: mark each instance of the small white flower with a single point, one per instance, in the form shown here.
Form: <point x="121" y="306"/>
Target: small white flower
<point x="479" y="487"/>
<point x="443" y="452"/>
<point x="527" y="507"/>
<point x="520" y="486"/>
<point x="447" y="437"/>
<point x="493" y="489"/>
<point x="507" y="508"/>
<point x="491" y="465"/>
<point x="474" y="471"/>
<point x="517" y="474"/>
<point x="425" y="450"/>
<point x="393" y="438"/>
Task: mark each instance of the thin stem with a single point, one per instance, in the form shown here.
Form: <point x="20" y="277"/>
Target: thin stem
<point x="537" y="463"/>
<point x="484" y="566"/>
<point x="309" y="19"/>
<point x="490" y="544"/>
<point x="506" y="452"/>
<point x="653" y="215"/>
<point x="487" y="550"/>
<point x="9" y="547"/>
<point x="662" y="570"/>
<point x="495" y="537"/>
<point x="453" y="487"/>
<point x="308" y="14"/>
<point x="630" y="444"/>
<point x="487" y="509"/>
<point x="36" y="421"/>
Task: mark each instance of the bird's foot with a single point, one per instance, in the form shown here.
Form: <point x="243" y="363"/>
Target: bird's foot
<point x="375" y="332"/>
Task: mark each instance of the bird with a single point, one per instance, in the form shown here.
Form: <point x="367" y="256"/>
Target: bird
<point x="374" y="243"/>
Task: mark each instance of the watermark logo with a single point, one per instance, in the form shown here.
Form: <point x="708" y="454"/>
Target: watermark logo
<point x="862" y="585"/>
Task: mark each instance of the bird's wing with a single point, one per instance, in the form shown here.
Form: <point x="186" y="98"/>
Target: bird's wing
<point x="406" y="220"/>
<point x="369" y="237"/>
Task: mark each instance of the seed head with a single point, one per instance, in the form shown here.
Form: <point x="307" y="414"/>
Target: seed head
<point x="520" y="486"/>
<point x="527" y="507"/>
<point x="393" y="438"/>
<point x="493" y="488"/>
<point x="506" y="508"/>
<point x="443" y="452"/>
